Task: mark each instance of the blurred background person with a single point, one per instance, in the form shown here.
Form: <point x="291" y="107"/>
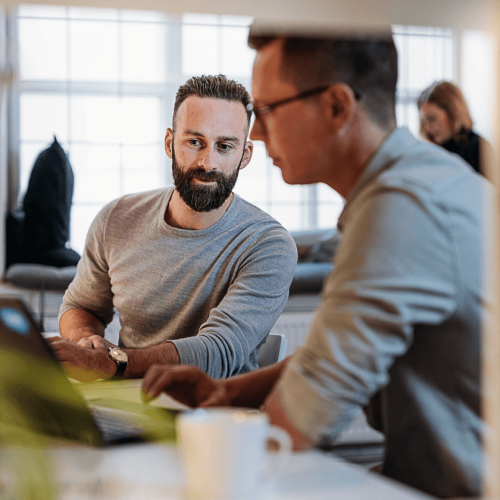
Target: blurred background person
<point x="445" y="120"/>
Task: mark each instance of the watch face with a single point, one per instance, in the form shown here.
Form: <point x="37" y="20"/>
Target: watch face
<point x="118" y="355"/>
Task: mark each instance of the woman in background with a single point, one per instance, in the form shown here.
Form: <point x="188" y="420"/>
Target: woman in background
<point x="445" y="120"/>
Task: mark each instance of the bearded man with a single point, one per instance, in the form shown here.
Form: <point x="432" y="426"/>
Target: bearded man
<point x="198" y="275"/>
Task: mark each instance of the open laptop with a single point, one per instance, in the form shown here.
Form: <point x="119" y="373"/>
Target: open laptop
<point x="36" y="394"/>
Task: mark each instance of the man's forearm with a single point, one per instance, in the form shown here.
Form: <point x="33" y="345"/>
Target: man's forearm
<point x="139" y="360"/>
<point x="76" y="324"/>
<point x="251" y="389"/>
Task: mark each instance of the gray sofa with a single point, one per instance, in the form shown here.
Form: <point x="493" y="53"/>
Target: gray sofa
<point x="316" y="250"/>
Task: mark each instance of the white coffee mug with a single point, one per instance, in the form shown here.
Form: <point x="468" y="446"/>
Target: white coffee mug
<point x="224" y="451"/>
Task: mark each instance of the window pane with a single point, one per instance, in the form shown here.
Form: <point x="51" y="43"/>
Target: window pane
<point x="143" y="168"/>
<point x="289" y="216"/>
<point x="252" y="181"/>
<point x="421" y="62"/>
<point x="142" y="61"/>
<point x="283" y="192"/>
<point x="94" y="51"/>
<point x="32" y="10"/>
<point x="327" y="194"/>
<point x="42" y="45"/>
<point x="90" y="13"/>
<point x="330" y="205"/>
<point x="97" y="173"/>
<point x="237" y="57"/>
<point x="140" y="121"/>
<point x="81" y="219"/>
<point x="199" y="50"/>
<point x="29" y="153"/>
<point x="95" y="119"/>
<point x="420" y="30"/>
<point x="402" y="47"/>
<point x="43" y="116"/>
<point x="328" y="215"/>
<point x="444" y="58"/>
<point x="407" y="116"/>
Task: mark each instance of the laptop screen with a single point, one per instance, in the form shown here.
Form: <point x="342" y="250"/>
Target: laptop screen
<point x="35" y="393"/>
<point x="18" y="330"/>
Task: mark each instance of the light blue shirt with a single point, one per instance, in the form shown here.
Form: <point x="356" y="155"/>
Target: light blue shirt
<point x="401" y="313"/>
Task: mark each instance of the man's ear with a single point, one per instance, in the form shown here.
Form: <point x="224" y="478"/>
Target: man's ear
<point x="341" y="105"/>
<point x="169" y="139"/>
<point x="247" y="154"/>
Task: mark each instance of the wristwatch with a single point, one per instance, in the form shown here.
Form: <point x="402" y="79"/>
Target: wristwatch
<point x="120" y="358"/>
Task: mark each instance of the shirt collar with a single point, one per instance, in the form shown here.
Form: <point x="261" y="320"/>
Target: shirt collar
<point x="396" y="145"/>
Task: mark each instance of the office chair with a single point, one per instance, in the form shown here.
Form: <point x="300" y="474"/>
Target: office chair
<point x="273" y="350"/>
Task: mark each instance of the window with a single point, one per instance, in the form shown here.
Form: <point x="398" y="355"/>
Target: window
<point x="424" y="56"/>
<point x="104" y="81"/>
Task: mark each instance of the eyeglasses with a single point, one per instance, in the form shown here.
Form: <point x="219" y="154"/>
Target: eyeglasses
<point x="266" y="109"/>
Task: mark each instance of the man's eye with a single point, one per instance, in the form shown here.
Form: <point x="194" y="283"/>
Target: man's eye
<point x="194" y="142"/>
<point x="225" y="147"/>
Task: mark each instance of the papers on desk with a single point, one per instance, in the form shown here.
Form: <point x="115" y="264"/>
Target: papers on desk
<point x="125" y="390"/>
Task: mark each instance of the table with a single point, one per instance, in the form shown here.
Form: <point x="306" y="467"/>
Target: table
<point x="155" y="471"/>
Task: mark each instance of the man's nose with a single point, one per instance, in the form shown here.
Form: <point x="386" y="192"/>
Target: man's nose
<point x="208" y="160"/>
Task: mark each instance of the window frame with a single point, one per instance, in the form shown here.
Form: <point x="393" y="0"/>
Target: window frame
<point x="310" y="203"/>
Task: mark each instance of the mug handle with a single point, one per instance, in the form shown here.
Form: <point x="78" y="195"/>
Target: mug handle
<point x="275" y="461"/>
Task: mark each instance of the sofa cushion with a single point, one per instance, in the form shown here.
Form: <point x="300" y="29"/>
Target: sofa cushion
<point x="324" y="249"/>
<point x="38" y="276"/>
<point x="318" y="245"/>
<point x="310" y="276"/>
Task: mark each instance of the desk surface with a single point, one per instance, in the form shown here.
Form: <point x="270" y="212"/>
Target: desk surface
<point x="155" y="471"/>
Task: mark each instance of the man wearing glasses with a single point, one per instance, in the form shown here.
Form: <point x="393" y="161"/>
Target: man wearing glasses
<point x="401" y="311"/>
<point x="198" y="275"/>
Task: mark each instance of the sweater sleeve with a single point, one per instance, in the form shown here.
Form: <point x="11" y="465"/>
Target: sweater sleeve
<point x="91" y="288"/>
<point x="244" y="317"/>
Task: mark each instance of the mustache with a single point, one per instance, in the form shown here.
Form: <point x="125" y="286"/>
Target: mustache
<point x="200" y="173"/>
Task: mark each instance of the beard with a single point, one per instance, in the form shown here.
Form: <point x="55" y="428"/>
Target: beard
<point x="200" y="197"/>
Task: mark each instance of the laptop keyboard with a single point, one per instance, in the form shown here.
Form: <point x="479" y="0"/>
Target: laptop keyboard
<point x="113" y="426"/>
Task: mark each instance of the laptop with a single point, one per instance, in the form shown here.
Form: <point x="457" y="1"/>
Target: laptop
<point x="37" y="395"/>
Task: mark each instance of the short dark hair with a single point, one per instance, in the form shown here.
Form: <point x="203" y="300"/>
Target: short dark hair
<point x="217" y="87"/>
<point x="368" y="63"/>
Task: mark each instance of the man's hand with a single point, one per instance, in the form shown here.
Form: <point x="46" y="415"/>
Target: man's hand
<point x="82" y="363"/>
<point x="186" y="384"/>
<point x="95" y="342"/>
<point x="191" y="386"/>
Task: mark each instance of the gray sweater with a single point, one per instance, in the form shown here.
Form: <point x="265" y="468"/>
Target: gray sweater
<point x="215" y="293"/>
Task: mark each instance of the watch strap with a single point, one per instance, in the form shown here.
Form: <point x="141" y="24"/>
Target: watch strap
<point x="120" y="369"/>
